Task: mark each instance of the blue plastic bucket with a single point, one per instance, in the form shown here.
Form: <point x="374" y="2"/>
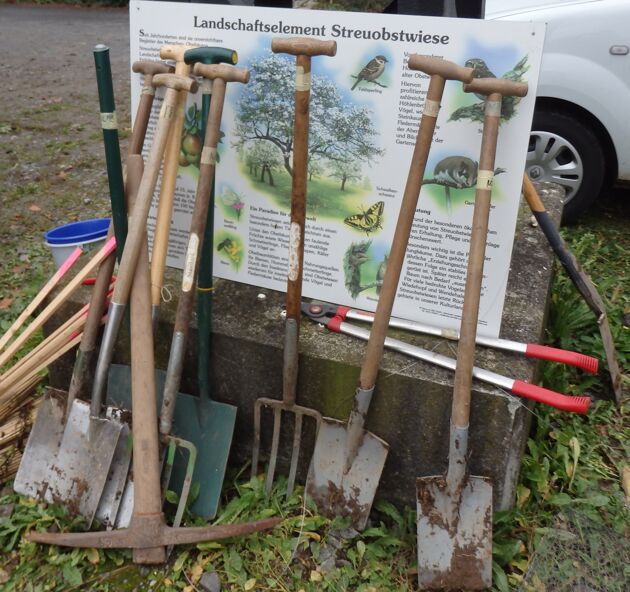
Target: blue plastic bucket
<point x="65" y="239"/>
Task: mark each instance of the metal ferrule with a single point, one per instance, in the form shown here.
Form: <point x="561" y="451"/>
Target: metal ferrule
<point x="362" y="400"/>
<point x="172" y="382"/>
<point x="458" y="449"/>
<point x="356" y="421"/>
<point x="155" y="313"/>
<point x="290" y="370"/>
<point x="115" y="316"/>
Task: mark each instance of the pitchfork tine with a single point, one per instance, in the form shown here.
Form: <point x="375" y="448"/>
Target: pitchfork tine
<point x="256" y="446"/>
<point x="275" y="441"/>
<point x="295" y="455"/>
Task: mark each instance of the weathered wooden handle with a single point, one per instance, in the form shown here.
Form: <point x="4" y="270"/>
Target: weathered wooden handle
<point x="438" y="66"/>
<point x="531" y="196"/>
<point x="303" y="46"/>
<point x="211" y="55"/>
<point x="176" y="82"/>
<point x="223" y="71"/>
<point x="487" y="86"/>
<point x="174" y="52"/>
<point x="151" y="68"/>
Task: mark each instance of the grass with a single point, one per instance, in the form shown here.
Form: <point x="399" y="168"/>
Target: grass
<point x="572" y="463"/>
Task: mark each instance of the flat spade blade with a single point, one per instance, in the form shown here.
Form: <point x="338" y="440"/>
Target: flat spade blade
<point x="345" y="494"/>
<point x="213" y="441"/>
<point x="83" y="460"/>
<point x="34" y="473"/>
<point x="454" y="544"/>
<point x="112" y="496"/>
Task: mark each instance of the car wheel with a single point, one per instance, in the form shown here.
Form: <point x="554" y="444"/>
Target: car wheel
<point x="564" y="150"/>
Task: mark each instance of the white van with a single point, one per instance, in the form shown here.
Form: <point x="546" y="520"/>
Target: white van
<point x="581" y="130"/>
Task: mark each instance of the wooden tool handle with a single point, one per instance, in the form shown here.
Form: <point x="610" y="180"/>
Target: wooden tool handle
<point x="224" y="71"/>
<point x="531" y="196"/>
<point x="376" y="342"/>
<point x="474" y="274"/>
<point x="174" y="52"/>
<point x="487" y="86"/>
<point x="176" y="82"/>
<point x="303" y="46"/>
<point x="439" y="67"/>
<point x="151" y="68"/>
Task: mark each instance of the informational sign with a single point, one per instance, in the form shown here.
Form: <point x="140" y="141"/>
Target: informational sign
<point x="364" y="114"/>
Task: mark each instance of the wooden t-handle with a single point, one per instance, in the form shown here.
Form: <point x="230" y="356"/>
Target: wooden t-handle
<point x="175" y="52"/>
<point x="303" y="46"/>
<point x="176" y="82"/>
<point x="438" y="66"/>
<point x="151" y="68"/>
<point x="487" y="86"/>
<point x="223" y="71"/>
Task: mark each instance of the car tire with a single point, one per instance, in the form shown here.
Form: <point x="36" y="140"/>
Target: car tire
<point x="564" y="150"/>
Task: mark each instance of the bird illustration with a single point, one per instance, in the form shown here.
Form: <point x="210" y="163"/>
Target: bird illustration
<point x="481" y="70"/>
<point x="374" y="68"/>
<point x="456" y="172"/>
<point x="508" y="104"/>
<point x="356" y="255"/>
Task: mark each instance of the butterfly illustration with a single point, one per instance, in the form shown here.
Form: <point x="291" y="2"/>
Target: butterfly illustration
<point x="368" y="221"/>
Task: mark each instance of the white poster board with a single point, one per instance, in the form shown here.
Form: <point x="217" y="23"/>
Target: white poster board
<point x="363" y="128"/>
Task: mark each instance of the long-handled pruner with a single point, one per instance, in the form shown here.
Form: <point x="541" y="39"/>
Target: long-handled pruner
<point x="530" y="350"/>
<point x="580" y="280"/>
<point x="324" y="314"/>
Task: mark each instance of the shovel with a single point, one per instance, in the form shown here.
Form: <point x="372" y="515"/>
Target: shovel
<point x="454" y="511"/>
<point x="348" y="460"/>
<point x="303" y="49"/>
<point x="93" y="457"/>
<point x="45" y="437"/>
<point x="213" y="437"/>
<point x="580" y="280"/>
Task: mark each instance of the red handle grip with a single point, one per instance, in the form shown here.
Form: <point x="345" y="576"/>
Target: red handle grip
<point x="578" y="404"/>
<point x="553" y="354"/>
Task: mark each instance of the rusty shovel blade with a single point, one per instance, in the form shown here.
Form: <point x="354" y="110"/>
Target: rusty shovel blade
<point x="79" y="473"/>
<point x="338" y="492"/>
<point x="43" y="443"/>
<point x="454" y="536"/>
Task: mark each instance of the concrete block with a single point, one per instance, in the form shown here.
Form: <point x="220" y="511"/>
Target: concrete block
<point x="412" y="402"/>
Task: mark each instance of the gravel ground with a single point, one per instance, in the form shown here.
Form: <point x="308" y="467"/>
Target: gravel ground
<point x="52" y="165"/>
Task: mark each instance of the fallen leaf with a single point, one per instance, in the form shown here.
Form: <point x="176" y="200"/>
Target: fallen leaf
<point x="35" y="208"/>
<point x="5" y="303"/>
<point x="316" y="576"/>
<point x="249" y="584"/>
<point x="92" y="556"/>
<point x="625" y="482"/>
